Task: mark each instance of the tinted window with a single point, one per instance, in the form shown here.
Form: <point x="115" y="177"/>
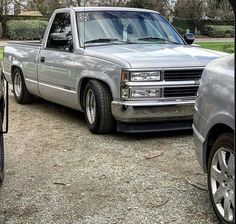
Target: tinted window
<point x="61" y="24"/>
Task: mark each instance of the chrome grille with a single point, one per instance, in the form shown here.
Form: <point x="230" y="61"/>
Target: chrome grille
<point x="180" y="91"/>
<point x="183" y="74"/>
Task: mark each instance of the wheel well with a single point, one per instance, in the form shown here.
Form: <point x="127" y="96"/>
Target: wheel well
<point x="12" y="71"/>
<point x="214" y="133"/>
<point x="83" y="84"/>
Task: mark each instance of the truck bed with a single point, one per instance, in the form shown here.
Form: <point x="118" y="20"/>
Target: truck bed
<point x="31" y="43"/>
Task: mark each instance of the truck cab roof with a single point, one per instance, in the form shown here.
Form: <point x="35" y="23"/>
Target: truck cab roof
<point x="89" y="9"/>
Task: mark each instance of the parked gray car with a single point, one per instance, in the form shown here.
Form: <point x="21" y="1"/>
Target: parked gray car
<point x="214" y="134"/>
<point x="126" y="68"/>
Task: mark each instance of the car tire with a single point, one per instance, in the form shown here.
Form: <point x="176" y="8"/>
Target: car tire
<point x="1" y="153"/>
<point x="97" y="106"/>
<point x="221" y="177"/>
<point x="20" y="90"/>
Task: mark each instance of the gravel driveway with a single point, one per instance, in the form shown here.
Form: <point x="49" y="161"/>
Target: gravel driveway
<point x="58" y="172"/>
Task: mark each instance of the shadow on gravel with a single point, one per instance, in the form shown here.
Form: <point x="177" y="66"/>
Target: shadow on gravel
<point x="164" y="134"/>
<point x="78" y="117"/>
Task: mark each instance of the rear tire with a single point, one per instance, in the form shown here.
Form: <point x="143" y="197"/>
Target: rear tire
<point x="1" y="153"/>
<point x="221" y="178"/>
<point x="97" y="105"/>
<point x="20" y="90"/>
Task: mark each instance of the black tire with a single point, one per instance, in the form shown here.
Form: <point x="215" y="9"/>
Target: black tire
<point x="225" y="141"/>
<point x="1" y="153"/>
<point x="104" y="121"/>
<point x="22" y="96"/>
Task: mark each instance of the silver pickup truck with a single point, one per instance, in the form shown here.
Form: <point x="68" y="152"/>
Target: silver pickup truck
<point x="125" y="68"/>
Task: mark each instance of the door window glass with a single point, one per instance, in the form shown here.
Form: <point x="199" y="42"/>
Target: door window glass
<point x="60" y="35"/>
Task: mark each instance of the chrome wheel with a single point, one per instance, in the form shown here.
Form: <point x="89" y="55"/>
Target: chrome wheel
<point x="222" y="178"/>
<point x="90" y="106"/>
<point x="18" y="84"/>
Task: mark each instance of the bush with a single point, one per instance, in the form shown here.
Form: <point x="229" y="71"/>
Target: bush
<point x="180" y="31"/>
<point x="219" y="31"/>
<point x="25" y="29"/>
<point x="184" y="24"/>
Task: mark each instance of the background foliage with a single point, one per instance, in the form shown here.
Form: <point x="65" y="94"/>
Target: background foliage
<point x="25" y="29"/>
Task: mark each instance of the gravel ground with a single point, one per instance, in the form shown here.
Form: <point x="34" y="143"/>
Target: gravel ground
<point x="58" y="172"/>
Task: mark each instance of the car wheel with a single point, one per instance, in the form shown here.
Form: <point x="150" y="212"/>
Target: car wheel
<point x="1" y="153"/>
<point x="221" y="177"/>
<point x="97" y="104"/>
<point x="20" y="90"/>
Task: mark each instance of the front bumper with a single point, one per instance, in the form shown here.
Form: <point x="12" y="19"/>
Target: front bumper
<point x="146" y="111"/>
<point x="199" y="146"/>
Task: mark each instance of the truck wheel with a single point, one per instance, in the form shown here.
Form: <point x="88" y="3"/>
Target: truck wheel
<point x="20" y="91"/>
<point x="1" y="153"/>
<point x="97" y="102"/>
<point x="221" y="177"/>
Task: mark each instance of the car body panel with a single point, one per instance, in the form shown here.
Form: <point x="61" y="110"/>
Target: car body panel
<point x="214" y="104"/>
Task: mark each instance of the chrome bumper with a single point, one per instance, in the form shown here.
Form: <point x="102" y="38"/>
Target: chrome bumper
<point x="144" y="111"/>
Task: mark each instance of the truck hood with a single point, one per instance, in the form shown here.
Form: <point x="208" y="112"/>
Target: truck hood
<point x="155" y="55"/>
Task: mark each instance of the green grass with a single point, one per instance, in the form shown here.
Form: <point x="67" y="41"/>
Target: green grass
<point x="1" y="53"/>
<point x="227" y="47"/>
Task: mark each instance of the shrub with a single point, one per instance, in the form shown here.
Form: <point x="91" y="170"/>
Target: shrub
<point x="25" y="29"/>
<point x="180" y="31"/>
<point x="219" y="31"/>
<point x="184" y="24"/>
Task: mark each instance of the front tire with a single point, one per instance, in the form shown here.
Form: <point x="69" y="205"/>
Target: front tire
<point x="20" y="90"/>
<point x="97" y="104"/>
<point x="221" y="178"/>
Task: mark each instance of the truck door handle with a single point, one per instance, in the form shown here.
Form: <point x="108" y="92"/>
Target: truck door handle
<point x="42" y="59"/>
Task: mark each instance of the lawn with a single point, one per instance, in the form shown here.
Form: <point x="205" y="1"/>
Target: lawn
<point x="1" y="53"/>
<point x="227" y="47"/>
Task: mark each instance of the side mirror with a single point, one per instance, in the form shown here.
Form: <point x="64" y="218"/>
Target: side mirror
<point x="189" y="38"/>
<point x="58" y="39"/>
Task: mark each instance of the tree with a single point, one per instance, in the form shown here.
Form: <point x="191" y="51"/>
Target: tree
<point x="158" y="5"/>
<point x="220" y="9"/>
<point x="194" y="11"/>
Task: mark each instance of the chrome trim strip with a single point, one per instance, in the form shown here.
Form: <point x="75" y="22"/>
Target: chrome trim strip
<point x="161" y="69"/>
<point x="153" y="103"/>
<point x="57" y="88"/>
<point x="31" y="80"/>
<point x="164" y="83"/>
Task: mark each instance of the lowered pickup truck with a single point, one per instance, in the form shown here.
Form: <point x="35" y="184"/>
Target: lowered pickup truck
<point x="125" y="68"/>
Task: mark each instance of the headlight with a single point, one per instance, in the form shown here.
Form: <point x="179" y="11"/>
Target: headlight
<point x="140" y="93"/>
<point x="145" y="76"/>
<point x="136" y="91"/>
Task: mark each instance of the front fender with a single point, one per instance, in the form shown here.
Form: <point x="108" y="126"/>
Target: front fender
<point x="220" y="118"/>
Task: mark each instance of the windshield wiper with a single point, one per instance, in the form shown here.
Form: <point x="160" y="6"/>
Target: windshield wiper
<point x="150" y="38"/>
<point x="101" y="40"/>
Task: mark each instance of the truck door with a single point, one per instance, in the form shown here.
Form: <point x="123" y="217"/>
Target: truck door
<point x="56" y="63"/>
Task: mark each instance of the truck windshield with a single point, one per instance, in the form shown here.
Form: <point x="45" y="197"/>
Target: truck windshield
<point x="125" y="27"/>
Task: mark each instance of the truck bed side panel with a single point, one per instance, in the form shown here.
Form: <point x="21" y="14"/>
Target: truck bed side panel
<point x="24" y="56"/>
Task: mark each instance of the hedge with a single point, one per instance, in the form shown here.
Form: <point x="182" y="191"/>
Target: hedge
<point x="180" y="31"/>
<point x="25" y="29"/>
<point x="184" y="24"/>
<point x="187" y="24"/>
<point x="218" y="31"/>
<point x="19" y="17"/>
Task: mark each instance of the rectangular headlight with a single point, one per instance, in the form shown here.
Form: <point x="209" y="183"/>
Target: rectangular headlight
<point x="148" y="93"/>
<point x="145" y="76"/>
